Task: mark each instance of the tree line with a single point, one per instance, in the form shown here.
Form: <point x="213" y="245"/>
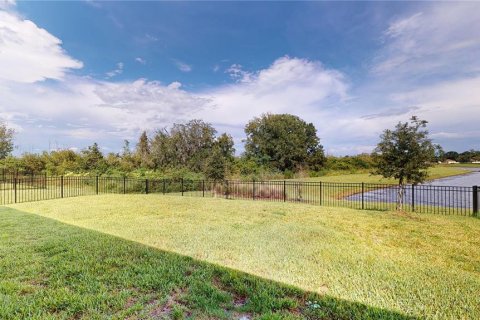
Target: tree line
<point x="275" y="144"/>
<point x="464" y="157"/>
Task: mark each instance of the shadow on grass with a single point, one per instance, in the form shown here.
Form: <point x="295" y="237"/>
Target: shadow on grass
<point x="49" y="269"/>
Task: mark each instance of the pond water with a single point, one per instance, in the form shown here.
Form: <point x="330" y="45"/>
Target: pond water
<point x="454" y="192"/>
<point x="465" y="180"/>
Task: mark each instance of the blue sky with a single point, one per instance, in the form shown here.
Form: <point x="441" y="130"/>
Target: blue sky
<point x="72" y="73"/>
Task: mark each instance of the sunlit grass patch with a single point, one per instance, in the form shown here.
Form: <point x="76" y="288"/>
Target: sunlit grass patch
<point x="419" y="265"/>
<point x="51" y="270"/>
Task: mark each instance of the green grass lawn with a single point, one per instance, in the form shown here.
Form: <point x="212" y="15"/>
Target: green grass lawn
<point x="144" y="256"/>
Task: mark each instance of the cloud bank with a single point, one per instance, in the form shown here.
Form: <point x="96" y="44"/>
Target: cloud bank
<point x="289" y="85"/>
<point x="29" y="53"/>
<point x="425" y="67"/>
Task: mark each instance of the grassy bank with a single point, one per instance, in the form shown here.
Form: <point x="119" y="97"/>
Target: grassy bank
<point x="436" y="172"/>
<point x="419" y="266"/>
<point x="462" y="165"/>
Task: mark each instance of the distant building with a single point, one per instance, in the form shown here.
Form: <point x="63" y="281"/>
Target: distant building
<point x="449" y="161"/>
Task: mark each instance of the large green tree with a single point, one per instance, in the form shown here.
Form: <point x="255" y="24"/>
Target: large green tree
<point x="226" y="146"/>
<point x="59" y="162"/>
<point x="192" y="143"/>
<point x="284" y="142"/>
<point x="33" y="163"/>
<point x="469" y="156"/>
<point x="451" y="155"/>
<point x="221" y="158"/>
<point x="93" y="159"/>
<point x="405" y="154"/>
<point x="162" y="149"/>
<point x="6" y="140"/>
<point x="143" y="151"/>
<point x="127" y="161"/>
<point x="216" y="165"/>
<point x="185" y="145"/>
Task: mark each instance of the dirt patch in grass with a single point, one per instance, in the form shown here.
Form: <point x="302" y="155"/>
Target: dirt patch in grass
<point x="408" y="215"/>
<point x="239" y="301"/>
<point x="156" y="307"/>
<point x="162" y="310"/>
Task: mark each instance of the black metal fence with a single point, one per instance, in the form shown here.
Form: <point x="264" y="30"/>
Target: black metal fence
<point x="10" y="174"/>
<point x="419" y="198"/>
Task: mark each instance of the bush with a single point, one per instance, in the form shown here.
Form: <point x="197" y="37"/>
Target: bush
<point x="349" y="163"/>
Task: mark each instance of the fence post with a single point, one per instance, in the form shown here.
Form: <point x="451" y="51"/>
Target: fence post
<point x="61" y="186"/>
<point x="363" y="197"/>
<point x="203" y="188"/>
<point x="320" y="192"/>
<point x="96" y="184"/>
<point x="182" y="187"/>
<point x="226" y="189"/>
<point x="413" y="197"/>
<point x="146" y="186"/>
<point x="164" y="187"/>
<point x="15" y="189"/>
<point x="253" y="189"/>
<point x="124" y="185"/>
<point x="284" y="191"/>
<point x="475" y="200"/>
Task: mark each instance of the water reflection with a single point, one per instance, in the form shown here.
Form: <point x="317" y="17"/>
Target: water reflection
<point x="454" y="192"/>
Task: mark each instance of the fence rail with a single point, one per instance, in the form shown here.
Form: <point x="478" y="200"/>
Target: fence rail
<point x="6" y="175"/>
<point x="419" y="198"/>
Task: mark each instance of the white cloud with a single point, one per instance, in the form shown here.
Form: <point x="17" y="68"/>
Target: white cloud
<point x="164" y="102"/>
<point x="427" y="66"/>
<point x="140" y="60"/>
<point x="290" y="85"/>
<point x="349" y="150"/>
<point x="150" y="38"/>
<point x="182" y="66"/>
<point x="115" y="72"/>
<point x="456" y="135"/>
<point x="7" y="4"/>
<point x="29" y="53"/>
<point x="452" y="106"/>
<point x="237" y="73"/>
<point x="174" y="85"/>
<point x="94" y="4"/>
<point x="87" y="110"/>
<point x="441" y="39"/>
